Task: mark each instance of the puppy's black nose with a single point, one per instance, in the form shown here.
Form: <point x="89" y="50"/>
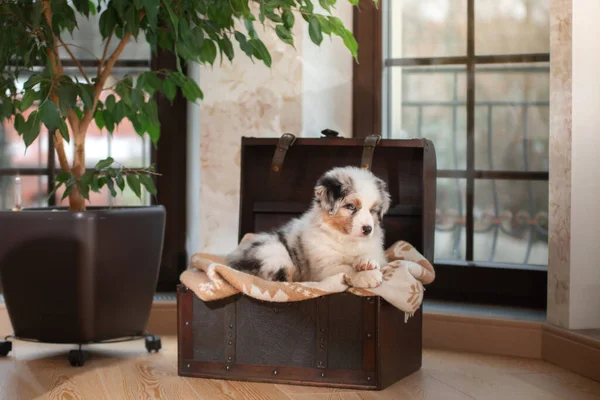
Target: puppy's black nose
<point x="367" y="229"/>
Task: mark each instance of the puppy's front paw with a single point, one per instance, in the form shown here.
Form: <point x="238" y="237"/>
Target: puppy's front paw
<point x="366" y="264"/>
<point x="365" y="279"/>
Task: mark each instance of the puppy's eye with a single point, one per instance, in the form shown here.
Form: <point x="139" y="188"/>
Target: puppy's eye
<point x="350" y="207"/>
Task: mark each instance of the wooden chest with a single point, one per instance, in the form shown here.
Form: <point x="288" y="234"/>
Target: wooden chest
<point x="339" y="340"/>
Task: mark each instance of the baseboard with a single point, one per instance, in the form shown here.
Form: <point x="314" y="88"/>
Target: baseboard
<point x="496" y="336"/>
<point x="572" y="351"/>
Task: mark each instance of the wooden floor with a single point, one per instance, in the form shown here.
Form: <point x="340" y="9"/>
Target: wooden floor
<point x="126" y="371"/>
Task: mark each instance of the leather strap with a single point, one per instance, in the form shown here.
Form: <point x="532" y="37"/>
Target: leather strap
<point x="285" y="142"/>
<point x="368" y="150"/>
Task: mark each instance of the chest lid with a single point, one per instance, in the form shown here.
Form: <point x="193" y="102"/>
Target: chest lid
<point x="278" y="176"/>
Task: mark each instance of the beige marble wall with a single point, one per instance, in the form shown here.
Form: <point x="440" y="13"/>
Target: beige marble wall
<point x="242" y="99"/>
<point x="249" y="99"/>
<point x="559" y="240"/>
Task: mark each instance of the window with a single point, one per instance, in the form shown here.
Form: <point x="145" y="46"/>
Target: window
<point x="472" y="76"/>
<point x="37" y="166"/>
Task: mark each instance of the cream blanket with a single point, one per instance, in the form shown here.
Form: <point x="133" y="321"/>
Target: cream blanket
<point x="403" y="279"/>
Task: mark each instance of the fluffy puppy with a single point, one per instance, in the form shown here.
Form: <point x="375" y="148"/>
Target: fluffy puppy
<point x="340" y="233"/>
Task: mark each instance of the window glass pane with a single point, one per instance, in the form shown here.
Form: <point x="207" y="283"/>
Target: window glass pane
<point x="427" y="28"/>
<point x="87" y="43"/>
<point x="512" y="26"/>
<point x="430" y="103"/>
<point x="511" y="221"/>
<point x="450" y="238"/>
<point x="512" y="117"/>
<point x="12" y="148"/>
<point x="33" y="191"/>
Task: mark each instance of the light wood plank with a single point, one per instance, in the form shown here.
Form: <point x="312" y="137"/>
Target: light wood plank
<point x="419" y="386"/>
<point x="327" y="396"/>
<point x="564" y="385"/>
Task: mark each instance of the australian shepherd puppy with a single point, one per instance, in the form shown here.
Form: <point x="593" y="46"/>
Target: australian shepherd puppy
<point x="340" y="233"/>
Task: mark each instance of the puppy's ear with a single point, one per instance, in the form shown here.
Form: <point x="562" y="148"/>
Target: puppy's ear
<point x="385" y="197"/>
<point x="329" y="192"/>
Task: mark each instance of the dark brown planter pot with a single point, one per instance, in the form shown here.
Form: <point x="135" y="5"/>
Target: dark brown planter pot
<point x="80" y="277"/>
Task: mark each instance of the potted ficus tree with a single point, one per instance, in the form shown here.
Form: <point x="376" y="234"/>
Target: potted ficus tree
<point x="88" y="274"/>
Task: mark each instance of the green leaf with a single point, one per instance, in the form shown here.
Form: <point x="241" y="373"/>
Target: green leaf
<point x="19" y="123"/>
<point x="133" y="21"/>
<point x="32" y="128"/>
<point x="124" y="89"/>
<point x="172" y="16"/>
<point x="326" y="26"/>
<point x="99" y="118"/>
<point x="6" y="107"/>
<point x="314" y="30"/>
<point x="327" y="4"/>
<point x="192" y="91"/>
<point x="107" y="22"/>
<point x="67" y="97"/>
<point x="50" y="115"/>
<point x="118" y="112"/>
<point x="154" y="132"/>
<point x="110" y="103"/>
<point x="64" y="131"/>
<point x="78" y="112"/>
<point x="170" y="89"/>
<point x="68" y="188"/>
<point x="284" y="34"/>
<point x="120" y="181"/>
<point x="62" y="177"/>
<point x="240" y="7"/>
<point x="245" y="46"/>
<point x="83" y="6"/>
<point x="152" y="7"/>
<point x="84" y="185"/>
<point x="226" y="47"/>
<point x="345" y="35"/>
<point x="260" y="51"/>
<point x="355" y="2"/>
<point x="53" y="192"/>
<point x="109" y="121"/>
<point x="107" y="162"/>
<point x="272" y="16"/>
<point x="150" y="82"/>
<point x="208" y="52"/>
<point x="95" y="184"/>
<point x="27" y="100"/>
<point x="288" y="18"/>
<point x="86" y="92"/>
<point x="250" y="28"/>
<point x="111" y="186"/>
<point x="134" y="183"/>
<point x="148" y="183"/>
<point x="32" y="81"/>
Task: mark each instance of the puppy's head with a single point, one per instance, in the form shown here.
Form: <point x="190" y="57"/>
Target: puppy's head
<point x="352" y="201"/>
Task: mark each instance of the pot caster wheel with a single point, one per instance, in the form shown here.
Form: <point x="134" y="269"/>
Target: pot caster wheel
<point x="77" y="358"/>
<point x="5" y="348"/>
<point x="153" y="343"/>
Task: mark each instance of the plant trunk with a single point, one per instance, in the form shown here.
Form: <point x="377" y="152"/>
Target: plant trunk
<point x="76" y="201"/>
